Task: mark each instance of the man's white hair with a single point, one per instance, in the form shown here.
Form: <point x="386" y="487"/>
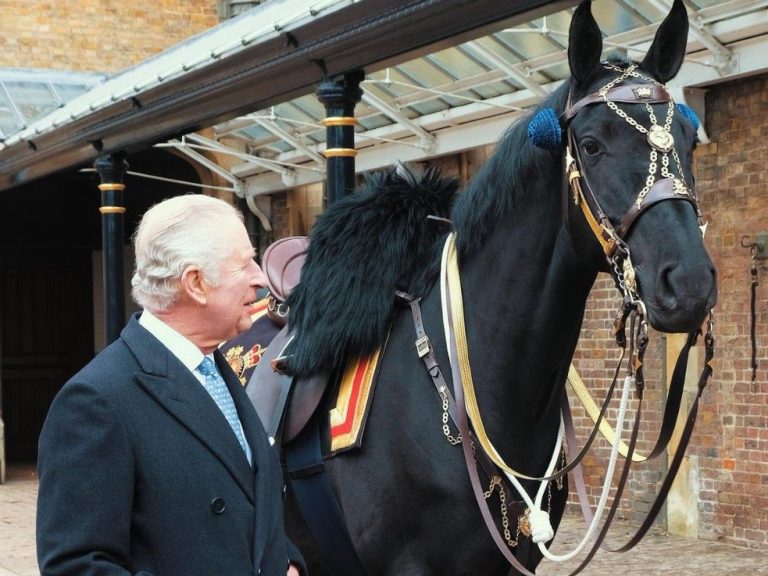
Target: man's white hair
<point x="172" y="235"/>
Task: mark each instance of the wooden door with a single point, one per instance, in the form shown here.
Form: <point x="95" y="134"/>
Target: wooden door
<point x="46" y="318"/>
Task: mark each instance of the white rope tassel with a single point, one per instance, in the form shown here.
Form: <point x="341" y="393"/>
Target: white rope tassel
<point x="541" y="528"/>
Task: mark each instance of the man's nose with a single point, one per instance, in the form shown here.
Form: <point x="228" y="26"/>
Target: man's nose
<point x="258" y="278"/>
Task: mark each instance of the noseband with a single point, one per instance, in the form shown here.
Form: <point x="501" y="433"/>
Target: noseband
<point x="658" y="186"/>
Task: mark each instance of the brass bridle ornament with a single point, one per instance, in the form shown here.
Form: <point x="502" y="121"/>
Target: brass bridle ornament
<point x="660" y="185"/>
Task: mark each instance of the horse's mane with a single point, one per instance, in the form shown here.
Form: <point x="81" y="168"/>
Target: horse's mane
<point x="361" y="250"/>
<point x="379" y="240"/>
<point x="513" y="166"/>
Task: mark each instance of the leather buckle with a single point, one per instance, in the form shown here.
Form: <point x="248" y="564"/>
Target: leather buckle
<point x="422" y="346"/>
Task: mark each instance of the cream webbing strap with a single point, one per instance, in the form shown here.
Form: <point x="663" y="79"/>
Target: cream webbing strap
<point x="585" y="399"/>
<point x="453" y="282"/>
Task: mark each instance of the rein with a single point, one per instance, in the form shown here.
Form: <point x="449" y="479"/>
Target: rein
<point x="463" y="389"/>
<point x="616" y="250"/>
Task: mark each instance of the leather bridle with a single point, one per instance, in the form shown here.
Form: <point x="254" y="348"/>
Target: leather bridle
<point x="668" y="186"/>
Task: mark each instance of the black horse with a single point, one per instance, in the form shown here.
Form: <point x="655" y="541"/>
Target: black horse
<point x="528" y="261"/>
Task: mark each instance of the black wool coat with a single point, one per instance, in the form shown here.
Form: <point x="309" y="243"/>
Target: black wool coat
<point x="140" y="473"/>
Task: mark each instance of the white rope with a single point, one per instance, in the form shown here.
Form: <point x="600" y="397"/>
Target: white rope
<point x="541" y="528"/>
<point x="589" y="536"/>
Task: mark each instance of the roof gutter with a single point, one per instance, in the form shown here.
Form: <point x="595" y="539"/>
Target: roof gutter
<point x="287" y="63"/>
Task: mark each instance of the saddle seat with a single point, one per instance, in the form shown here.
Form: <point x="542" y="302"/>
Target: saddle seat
<point x="281" y="405"/>
<point x="281" y="263"/>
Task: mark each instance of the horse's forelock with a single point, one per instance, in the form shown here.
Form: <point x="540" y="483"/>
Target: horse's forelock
<point x="514" y="164"/>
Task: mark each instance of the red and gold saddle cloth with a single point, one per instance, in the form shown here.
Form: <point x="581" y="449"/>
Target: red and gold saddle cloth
<point x="349" y="413"/>
<point x="353" y="398"/>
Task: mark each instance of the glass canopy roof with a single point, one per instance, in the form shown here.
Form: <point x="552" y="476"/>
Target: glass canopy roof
<point x="507" y="71"/>
<point x="28" y="95"/>
<point x="415" y="110"/>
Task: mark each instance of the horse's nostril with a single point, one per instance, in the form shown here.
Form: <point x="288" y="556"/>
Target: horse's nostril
<point x="677" y="285"/>
<point x="665" y="287"/>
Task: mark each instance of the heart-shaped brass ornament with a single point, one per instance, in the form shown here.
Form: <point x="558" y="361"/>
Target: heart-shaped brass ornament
<point x="660" y="139"/>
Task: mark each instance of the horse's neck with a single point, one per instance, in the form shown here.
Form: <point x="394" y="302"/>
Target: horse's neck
<point x="524" y="297"/>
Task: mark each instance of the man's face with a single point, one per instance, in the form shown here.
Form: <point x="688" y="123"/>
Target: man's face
<point x="230" y="304"/>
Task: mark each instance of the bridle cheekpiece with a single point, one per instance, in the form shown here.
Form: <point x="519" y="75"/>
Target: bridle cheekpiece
<point x="666" y="179"/>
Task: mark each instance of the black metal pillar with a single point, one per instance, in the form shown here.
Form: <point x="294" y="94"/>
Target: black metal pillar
<point x="111" y="169"/>
<point x="339" y="99"/>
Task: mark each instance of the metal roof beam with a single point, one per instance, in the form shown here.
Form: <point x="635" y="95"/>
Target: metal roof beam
<point x="288" y="176"/>
<point x="508" y="68"/>
<point x="724" y="59"/>
<point x="272" y="127"/>
<point x="427" y="140"/>
<point x="448" y="140"/>
<point x="453" y="119"/>
<point x="206" y="162"/>
<point x="249" y="63"/>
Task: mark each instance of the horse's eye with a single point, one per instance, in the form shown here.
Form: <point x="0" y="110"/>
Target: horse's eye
<point x="590" y="148"/>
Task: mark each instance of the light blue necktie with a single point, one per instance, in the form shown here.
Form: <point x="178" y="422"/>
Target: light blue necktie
<point x="217" y="388"/>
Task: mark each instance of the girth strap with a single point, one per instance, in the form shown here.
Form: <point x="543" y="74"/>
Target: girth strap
<point x="425" y="352"/>
<point x="318" y="503"/>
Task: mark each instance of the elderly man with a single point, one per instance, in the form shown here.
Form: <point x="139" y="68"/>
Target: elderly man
<point x="152" y="460"/>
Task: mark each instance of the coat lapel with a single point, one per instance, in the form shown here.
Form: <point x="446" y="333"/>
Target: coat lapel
<point x="177" y="390"/>
<point x="256" y="437"/>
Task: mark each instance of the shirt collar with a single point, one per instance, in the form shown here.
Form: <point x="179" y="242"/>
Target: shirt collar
<point x="181" y="347"/>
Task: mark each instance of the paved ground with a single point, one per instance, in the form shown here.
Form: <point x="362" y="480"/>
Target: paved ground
<point x="17" y="522"/>
<point x="657" y="554"/>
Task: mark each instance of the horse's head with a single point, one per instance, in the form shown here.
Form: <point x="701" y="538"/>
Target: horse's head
<point x="629" y="164"/>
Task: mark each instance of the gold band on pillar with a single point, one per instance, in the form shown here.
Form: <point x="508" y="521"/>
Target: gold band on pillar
<point x="339" y="121"/>
<point x="112" y="209"/>
<point x="340" y="152"/>
<point x="106" y="187"/>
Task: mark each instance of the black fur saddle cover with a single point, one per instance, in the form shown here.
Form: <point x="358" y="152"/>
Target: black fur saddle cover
<point x="363" y="249"/>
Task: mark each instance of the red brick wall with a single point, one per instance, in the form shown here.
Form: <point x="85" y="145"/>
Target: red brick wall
<point x="730" y="443"/>
<point x="97" y="35"/>
<point x="732" y="439"/>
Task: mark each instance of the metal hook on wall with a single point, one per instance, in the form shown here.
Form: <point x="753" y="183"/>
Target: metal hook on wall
<point x="758" y="251"/>
<point x="758" y="248"/>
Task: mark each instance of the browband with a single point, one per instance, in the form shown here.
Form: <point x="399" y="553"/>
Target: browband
<point x="625" y="93"/>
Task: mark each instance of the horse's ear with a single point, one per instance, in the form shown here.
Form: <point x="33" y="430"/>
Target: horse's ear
<point x="666" y="54"/>
<point x="585" y="44"/>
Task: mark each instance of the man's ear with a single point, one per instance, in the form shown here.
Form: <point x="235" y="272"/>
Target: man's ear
<point x="193" y="284"/>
